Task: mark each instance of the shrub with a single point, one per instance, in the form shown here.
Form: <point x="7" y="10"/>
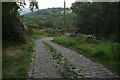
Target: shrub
<point x="32" y="25"/>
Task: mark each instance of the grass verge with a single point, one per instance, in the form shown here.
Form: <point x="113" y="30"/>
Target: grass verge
<point x="16" y="60"/>
<point x="40" y="34"/>
<point x="105" y="52"/>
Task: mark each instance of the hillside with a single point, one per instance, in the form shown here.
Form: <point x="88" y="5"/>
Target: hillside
<point x="25" y="11"/>
<point x="50" y="18"/>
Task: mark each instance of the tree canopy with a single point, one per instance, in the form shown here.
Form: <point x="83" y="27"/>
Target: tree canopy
<point x="12" y="28"/>
<point x="100" y="19"/>
<point x="50" y="18"/>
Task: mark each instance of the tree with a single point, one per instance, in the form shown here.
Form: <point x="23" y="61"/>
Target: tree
<point x="100" y="19"/>
<point x="41" y="24"/>
<point x="49" y="24"/>
<point x="33" y="4"/>
<point x="13" y="29"/>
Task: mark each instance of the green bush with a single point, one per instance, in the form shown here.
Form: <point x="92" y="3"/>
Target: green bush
<point x="32" y="25"/>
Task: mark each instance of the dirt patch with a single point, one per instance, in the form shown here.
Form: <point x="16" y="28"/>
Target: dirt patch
<point x="11" y="51"/>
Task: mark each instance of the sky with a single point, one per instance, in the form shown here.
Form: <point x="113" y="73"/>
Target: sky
<point x="43" y="4"/>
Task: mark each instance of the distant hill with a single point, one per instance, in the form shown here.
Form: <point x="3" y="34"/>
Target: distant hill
<point x="45" y="11"/>
<point x="51" y="17"/>
<point x="25" y="10"/>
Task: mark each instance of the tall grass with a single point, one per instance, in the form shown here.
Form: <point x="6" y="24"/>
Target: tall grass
<point x="106" y="52"/>
<point x="16" y="61"/>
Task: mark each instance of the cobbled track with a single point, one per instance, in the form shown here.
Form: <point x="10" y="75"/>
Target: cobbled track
<point x="43" y="64"/>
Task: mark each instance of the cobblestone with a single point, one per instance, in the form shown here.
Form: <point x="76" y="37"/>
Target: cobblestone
<point x="88" y="67"/>
<point x="45" y="67"/>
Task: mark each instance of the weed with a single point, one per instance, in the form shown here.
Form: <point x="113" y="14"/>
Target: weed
<point x="56" y="55"/>
<point x="81" y="75"/>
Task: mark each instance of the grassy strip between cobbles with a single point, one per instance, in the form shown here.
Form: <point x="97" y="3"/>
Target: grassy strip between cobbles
<point x="16" y="60"/>
<point x="67" y="72"/>
<point x="56" y="55"/>
<point x="106" y="52"/>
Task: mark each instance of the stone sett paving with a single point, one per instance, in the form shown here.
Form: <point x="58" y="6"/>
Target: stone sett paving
<point x="88" y="68"/>
<point x="43" y="66"/>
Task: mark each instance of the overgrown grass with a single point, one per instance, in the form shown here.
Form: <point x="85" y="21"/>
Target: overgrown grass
<point x="40" y="34"/>
<point x="106" y="52"/>
<point x="56" y="55"/>
<point x="16" y="60"/>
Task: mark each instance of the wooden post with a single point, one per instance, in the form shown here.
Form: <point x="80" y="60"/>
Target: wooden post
<point x="64" y="16"/>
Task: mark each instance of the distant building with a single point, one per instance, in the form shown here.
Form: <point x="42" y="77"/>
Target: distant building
<point x="83" y="0"/>
<point x="67" y="11"/>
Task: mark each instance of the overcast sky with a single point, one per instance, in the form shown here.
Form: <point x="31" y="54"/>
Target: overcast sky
<point x="52" y="3"/>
